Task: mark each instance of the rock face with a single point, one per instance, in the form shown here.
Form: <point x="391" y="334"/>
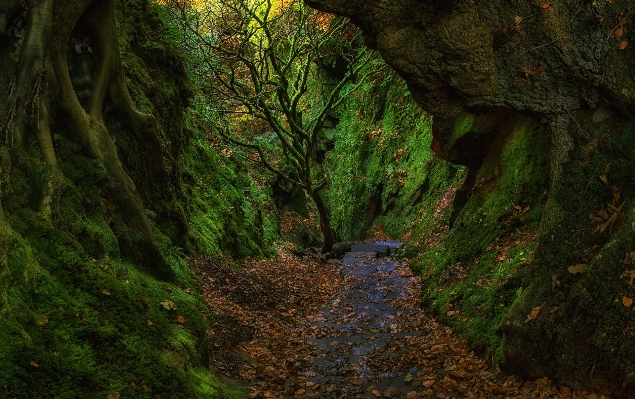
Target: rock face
<point x="568" y="65"/>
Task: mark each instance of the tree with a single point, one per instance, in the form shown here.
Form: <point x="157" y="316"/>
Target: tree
<point x="260" y="58"/>
<point x="39" y="92"/>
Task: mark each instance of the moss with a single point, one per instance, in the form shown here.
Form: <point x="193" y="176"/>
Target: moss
<point x="81" y="313"/>
<point x="586" y="323"/>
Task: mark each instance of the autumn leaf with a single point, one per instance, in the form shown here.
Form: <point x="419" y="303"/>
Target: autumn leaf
<point x="180" y="319"/>
<point x="150" y="322"/>
<point x="167" y="305"/>
<point x="105" y="292"/>
<point x="618" y="33"/>
<point x="32" y="363"/>
<point x="376" y="393"/>
<point x="628" y="302"/>
<point x="580" y="268"/>
<point x="355" y="381"/>
<point x="534" y="71"/>
<point x="623" y="44"/>
<point x="43" y="321"/>
<point x="533" y="314"/>
<point x="629" y="274"/>
<point x="411" y="395"/>
<point x="114" y="396"/>
<point x="545" y="6"/>
<point x="428" y="383"/>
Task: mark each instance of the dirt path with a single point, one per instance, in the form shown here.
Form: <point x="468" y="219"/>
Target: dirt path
<point x="296" y="328"/>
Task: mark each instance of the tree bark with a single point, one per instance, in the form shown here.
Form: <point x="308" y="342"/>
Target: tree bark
<point x="325" y="222"/>
<point x="42" y="92"/>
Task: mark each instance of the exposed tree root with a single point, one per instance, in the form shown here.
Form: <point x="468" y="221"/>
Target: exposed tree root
<point x="44" y="84"/>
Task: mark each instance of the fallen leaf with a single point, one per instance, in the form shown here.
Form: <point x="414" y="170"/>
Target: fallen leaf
<point x="411" y="395"/>
<point x="628" y="302"/>
<point x="545" y="6"/>
<point x="623" y="44"/>
<point x="114" y="396"/>
<point x="407" y="378"/>
<point x="180" y="319"/>
<point x="629" y="274"/>
<point x="105" y="292"/>
<point x="43" y="321"/>
<point x="150" y="322"/>
<point x="428" y="383"/>
<point x="604" y="179"/>
<point x="376" y="393"/>
<point x="355" y="381"/>
<point x="580" y="268"/>
<point x="32" y="363"/>
<point x="447" y="306"/>
<point x="388" y="393"/>
<point x="534" y="71"/>
<point x="618" y="33"/>
<point x="533" y="314"/>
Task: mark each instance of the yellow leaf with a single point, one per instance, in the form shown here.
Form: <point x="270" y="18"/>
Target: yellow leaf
<point x="114" y="396"/>
<point x="105" y="292"/>
<point x="604" y="179"/>
<point x="628" y="302"/>
<point x="580" y="268"/>
<point x="533" y="314"/>
<point x="376" y="393"/>
<point x="32" y="363"/>
<point x="43" y="321"/>
<point x="150" y="322"/>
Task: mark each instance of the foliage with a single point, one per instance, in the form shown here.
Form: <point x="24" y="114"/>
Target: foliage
<point x="258" y="60"/>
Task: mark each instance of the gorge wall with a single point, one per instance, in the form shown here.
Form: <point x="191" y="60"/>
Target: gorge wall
<point x="536" y="99"/>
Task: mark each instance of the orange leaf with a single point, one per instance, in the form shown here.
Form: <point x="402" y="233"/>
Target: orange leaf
<point x="428" y="383"/>
<point x="545" y="6"/>
<point x="355" y="381"/>
<point x="105" y="292"/>
<point x="411" y="395"/>
<point x="623" y="45"/>
<point x="628" y="302"/>
<point x="618" y="33"/>
<point x="180" y="319"/>
<point x="533" y="314"/>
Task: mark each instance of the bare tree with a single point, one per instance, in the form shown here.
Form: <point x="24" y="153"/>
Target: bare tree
<point x="260" y="58"/>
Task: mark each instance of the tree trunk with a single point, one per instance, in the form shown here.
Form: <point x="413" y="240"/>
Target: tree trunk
<point x="325" y="222"/>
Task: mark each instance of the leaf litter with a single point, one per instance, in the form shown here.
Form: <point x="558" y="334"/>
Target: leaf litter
<point x="279" y="321"/>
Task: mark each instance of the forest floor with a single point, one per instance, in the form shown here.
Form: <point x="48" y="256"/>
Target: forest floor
<point x="295" y="327"/>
